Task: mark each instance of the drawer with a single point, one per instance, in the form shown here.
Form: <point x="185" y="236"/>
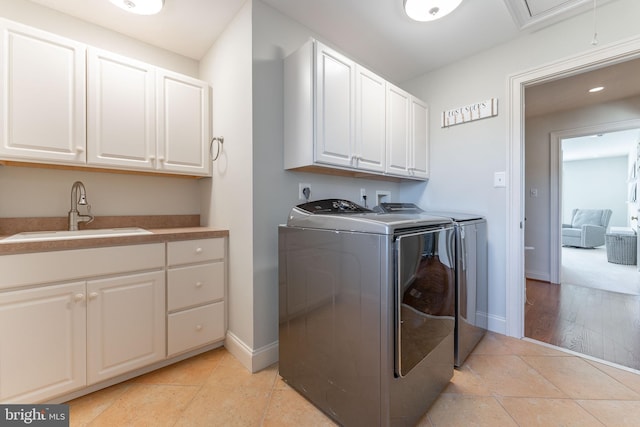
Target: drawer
<point x="190" y="251"/>
<point x="195" y="327"/>
<point x="195" y="284"/>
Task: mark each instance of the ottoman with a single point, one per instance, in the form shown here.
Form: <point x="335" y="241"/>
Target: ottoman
<point x="621" y="245"/>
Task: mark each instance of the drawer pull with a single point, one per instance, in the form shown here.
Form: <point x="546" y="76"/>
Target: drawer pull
<point x="198" y="327"/>
<point x="199" y="250"/>
<point x="199" y="284"/>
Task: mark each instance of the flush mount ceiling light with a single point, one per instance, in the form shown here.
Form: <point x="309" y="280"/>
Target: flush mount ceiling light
<point x="429" y="10"/>
<point x="140" y="7"/>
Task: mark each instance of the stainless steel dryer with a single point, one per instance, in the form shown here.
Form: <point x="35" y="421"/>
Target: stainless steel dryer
<point x="366" y="311"/>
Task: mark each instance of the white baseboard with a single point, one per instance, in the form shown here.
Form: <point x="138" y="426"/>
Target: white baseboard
<point x="537" y="275"/>
<point x="497" y="324"/>
<point x="253" y="360"/>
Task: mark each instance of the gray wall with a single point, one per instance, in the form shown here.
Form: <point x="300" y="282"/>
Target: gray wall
<point x="465" y="157"/>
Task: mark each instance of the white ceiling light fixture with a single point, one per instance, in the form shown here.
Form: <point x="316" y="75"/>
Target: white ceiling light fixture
<point x="596" y="89"/>
<point x="429" y="10"/>
<point x="140" y="7"/>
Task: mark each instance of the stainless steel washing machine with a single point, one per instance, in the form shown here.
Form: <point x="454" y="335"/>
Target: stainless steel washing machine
<point x="367" y="311"/>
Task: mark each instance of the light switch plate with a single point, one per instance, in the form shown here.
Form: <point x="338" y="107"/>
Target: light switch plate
<point x="499" y="179"/>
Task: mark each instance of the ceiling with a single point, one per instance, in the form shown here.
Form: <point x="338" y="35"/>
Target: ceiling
<point x="376" y="33"/>
<point x="611" y="144"/>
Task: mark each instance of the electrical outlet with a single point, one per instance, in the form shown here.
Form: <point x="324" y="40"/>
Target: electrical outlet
<point x="301" y="187"/>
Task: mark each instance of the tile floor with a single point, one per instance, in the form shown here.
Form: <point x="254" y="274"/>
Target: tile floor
<point x="504" y="382"/>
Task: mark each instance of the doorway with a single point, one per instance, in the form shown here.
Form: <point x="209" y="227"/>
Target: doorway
<point x="603" y="159"/>
<point x="599" y="58"/>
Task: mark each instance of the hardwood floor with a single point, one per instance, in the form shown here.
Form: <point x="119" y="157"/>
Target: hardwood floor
<point x="590" y="321"/>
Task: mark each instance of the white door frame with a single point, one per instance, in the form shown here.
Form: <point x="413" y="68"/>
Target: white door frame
<point x="555" y="193"/>
<point x="596" y="58"/>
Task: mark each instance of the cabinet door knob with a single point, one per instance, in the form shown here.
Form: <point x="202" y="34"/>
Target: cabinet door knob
<point x="79" y="149"/>
<point x="199" y="250"/>
<point x="93" y="295"/>
<point x="78" y="297"/>
<point x="198" y="327"/>
<point x="198" y="284"/>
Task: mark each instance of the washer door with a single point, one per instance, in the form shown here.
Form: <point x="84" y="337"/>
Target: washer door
<point x="425" y="294"/>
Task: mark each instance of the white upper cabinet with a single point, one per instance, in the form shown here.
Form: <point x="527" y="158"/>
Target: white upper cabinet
<point x="370" y="120"/>
<point x="183" y="124"/>
<point x="340" y="116"/>
<point x="42" y="97"/>
<point x="120" y="112"/>
<point x="63" y="102"/>
<point x="407" y="130"/>
<point x="419" y="148"/>
<point x="398" y="132"/>
<point x="335" y="102"/>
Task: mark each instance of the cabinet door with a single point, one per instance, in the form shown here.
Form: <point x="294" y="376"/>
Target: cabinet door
<point x="334" y="107"/>
<point x="183" y="124"/>
<point x="398" y="135"/>
<point x="120" y="112"/>
<point x="419" y="152"/>
<point x="42" y="342"/>
<point x="125" y="324"/>
<point x="42" y="96"/>
<point x="370" y="120"/>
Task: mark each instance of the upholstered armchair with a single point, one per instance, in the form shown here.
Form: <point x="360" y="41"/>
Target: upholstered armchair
<point x="587" y="228"/>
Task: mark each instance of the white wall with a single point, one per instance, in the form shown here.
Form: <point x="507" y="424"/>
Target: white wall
<point x="596" y="184"/>
<point x="228" y="196"/>
<point x="28" y="192"/>
<point x="465" y="157"/>
<point x="537" y="171"/>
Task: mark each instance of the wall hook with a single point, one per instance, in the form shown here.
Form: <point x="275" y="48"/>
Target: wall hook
<point x="220" y="141"/>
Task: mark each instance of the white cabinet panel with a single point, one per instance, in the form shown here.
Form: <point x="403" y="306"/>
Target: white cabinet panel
<point x="398" y="134"/>
<point x="125" y="324"/>
<point x="42" y="96"/>
<point x="195" y="284"/>
<point x="120" y="112"/>
<point x="183" y="124"/>
<point x="407" y="135"/>
<point x="42" y="342"/>
<point x="192" y="328"/>
<point x="198" y="250"/>
<point x="335" y="102"/>
<point x="419" y="153"/>
<point x="370" y="120"/>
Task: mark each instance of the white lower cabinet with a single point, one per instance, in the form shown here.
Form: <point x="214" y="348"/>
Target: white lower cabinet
<point x="195" y="293"/>
<point x="85" y="316"/>
<point x="42" y="342"/>
<point x="125" y="324"/>
<point x="76" y="317"/>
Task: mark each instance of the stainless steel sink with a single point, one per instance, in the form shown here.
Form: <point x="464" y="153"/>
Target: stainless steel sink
<point x="40" y="236"/>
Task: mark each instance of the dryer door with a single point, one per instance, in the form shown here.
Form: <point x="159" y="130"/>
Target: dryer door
<point x="425" y="294"/>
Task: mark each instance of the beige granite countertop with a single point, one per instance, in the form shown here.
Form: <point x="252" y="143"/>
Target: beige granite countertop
<point x="163" y="229"/>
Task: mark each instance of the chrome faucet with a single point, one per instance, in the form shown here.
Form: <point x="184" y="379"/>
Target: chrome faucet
<point x="81" y="199"/>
